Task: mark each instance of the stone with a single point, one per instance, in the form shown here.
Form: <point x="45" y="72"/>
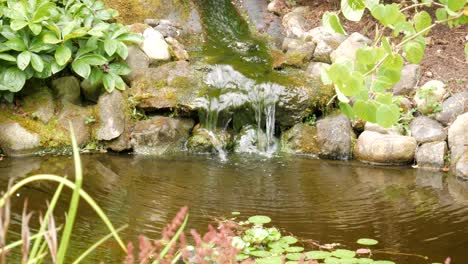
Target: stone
<point x="76" y="115"/>
<point x="425" y="129"/>
<point x="111" y="114"/>
<point x="453" y="107"/>
<point x="67" y="89"/>
<point x="91" y="91"/>
<point x="137" y="60"/>
<point x="429" y="96"/>
<point x="15" y="140"/>
<point x="409" y="80"/>
<point x="335" y="137"/>
<point x="40" y="104"/>
<point x="301" y="55"/>
<point x="277" y="7"/>
<point x="405" y="104"/>
<point x="300" y="139"/>
<point x="291" y="44"/>
<point x="246" y="141"/>
<point x="295" y="23"/>
<point x="152" y="22"/>
<point x="138" y="28"/>
<point x="160" y="135"/>
<point x="458" y="137"/>
<point x="168" y="29"/>
<point x="393" y="130"/>
<point x="347" y="49"/>
<point x="205" y="141"/>
<point x="177" y="49"/>
<point x="321" y="34"/>
<point x="431" y="155"/>
<point x="322" y="52"/>
<point x="461" y="168"/>
<point x="154" y="46"/>
<point x="376" y="148"/>
<point x="314" y="70"/>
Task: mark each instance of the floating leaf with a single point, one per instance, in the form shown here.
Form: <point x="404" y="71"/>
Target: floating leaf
<point x="294" y="256"/>
<point x="294" y="249"/>
<point x="316" y="254"/>
<point x="367" y="241"/>
<point x="260" y="253"/>
<point x="269" y="260"/>
<point x="288" y="239"/>
<point x="259" y="219"/>
<point x="343" y="253"/>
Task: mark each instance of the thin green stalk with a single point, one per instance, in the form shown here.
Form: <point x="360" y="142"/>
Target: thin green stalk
<point x="75" y="200"/>
<point x="172" y="241"/>
<point x="20" y="242"/>
<point x="97" y="244"/>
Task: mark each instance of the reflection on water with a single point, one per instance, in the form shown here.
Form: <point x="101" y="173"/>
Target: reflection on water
<point x="407" y="210"/>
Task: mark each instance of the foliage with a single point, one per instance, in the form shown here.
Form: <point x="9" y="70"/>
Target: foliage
<point x="41" y="38"/>
<point x="377" y="68"/>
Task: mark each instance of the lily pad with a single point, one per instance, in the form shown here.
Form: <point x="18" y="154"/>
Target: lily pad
<point x="259" y="219"/>
<point x="269" y="260"/>
<point x="294" y="256"/>
<point x="383" y="262"/>
<point x="294" y="249"/>
<point x="343" y="253"/>
<point x="288" y="239"/>
<point x="367" y="241"/>
<point x="316" y="254"/>
<point x="365" y="261"/>
<point x="260" y="254"/>
<point x="332" y="260"/>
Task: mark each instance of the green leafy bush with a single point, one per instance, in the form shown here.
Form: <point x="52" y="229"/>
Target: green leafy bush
<point x="40" y="38"/>
<point x="377" y="68"/>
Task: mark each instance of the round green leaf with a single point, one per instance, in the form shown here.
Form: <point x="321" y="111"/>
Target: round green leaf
<point x="422" y="20"/>
<point x="62" y="55"/>
<point x="81" y="68"/>
<point x="353" y="9"/>
<point x="387" y="115"/>
<point x="316" y="254"/>
<point x="343" y="253"/>
<point x="14" y="79"/>
<point x="294" y="249"/>
<point x="37" y="62"/>
<point x="456" y="5"/>
<point x="294" y="256"/>
<point x="383" y="262"/>
<point x="365" y="110"/>
<point x="260" y="253"/>
<point x="346" y="109"/>
<point x="367" y="241"/>
<point x="414" y="51"/>
<point x="288" y="239"/>
<point x="23" y="60"/>
<point x="259" y="219"/>
<point x="331" y="21"/>
<point x="269" y="260"/>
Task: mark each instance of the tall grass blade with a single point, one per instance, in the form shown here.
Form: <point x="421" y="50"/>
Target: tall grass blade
<point x="97" y="244"/>
<point x="18" y="243"/>
<point x="172" y="241"/>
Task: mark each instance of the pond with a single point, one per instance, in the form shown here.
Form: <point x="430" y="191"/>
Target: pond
<point x="407" y="210"/>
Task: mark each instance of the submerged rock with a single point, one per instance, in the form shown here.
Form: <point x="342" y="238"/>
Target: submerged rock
<point x="376" y="148"/>
<point x="453" y="107"/>
<point x="347" y="49"/>
<point x="335" y="137"/>
<point x="154" y="46"/>
<point x="425" y="129"/>
<point x="300" y="139"/>
<point x="410" y="75"/>
<point x="67" y="89"/>
<point x="204" y="141"/>
<point x="111" y="112"/>
<point x="431" y="155"/>
<point x="457" y="137"/>
<point x="160" y="135"/>
<point x="15" y="140"/>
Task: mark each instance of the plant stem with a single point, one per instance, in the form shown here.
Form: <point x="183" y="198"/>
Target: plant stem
<point x="418" y="5"/>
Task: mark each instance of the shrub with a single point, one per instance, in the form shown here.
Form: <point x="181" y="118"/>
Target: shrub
<point x="41" y="38"/>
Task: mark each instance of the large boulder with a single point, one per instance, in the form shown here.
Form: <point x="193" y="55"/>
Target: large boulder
<point x="205" y="141"/>
<point x="457" y="137"/>
<point x="461" y="168"/>
<point x="76" y="115"/>
<point x="376" y="148"/>
<point x="295" y="23"/>
<point x="429" y="96"/>
<point x="410" y="75"/>
<point x="40" y="103"/>
<point x="431" y="155"/>
<point x="15" y="140"/>
<point x="348" y="48"/>
<point x="154" y="46"/>
<point x="335" y="137"/>
<point x="137" y="60"/>
<point x="159" y="135"/>
<point x="453" y="107"/>
<point x="111" y="113"/>
<point x="425" y="129"/>
<point x="393" y="130"/>
<point x="300" y="139"/>
<point x="67" y="89"/>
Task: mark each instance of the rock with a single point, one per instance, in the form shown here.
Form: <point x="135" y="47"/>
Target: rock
<point x="77" y="116"/>
<point x="301" y="55"/>
<point x="91" y="91"/>
<point x="376" y="148"/>
<point x="457" y="135"/>
<point x="111" y="114"/>
<point x="67" y="89"/>
<point x="177" y="49"/>
<point x="321" y="34"/>
<point x="405" y="104"/>
<point x="167" y="29"/>
<point x="204" y="141"/>
<point x="429" y="96"/>
<point x="410" y="75"/>
<point x="348" y="48"/>
<point x="277" y="7"/>
<point x="138" y="28"/>
<point x="314" y="70"/>
<point x="291" y="44"/>
<point x="15" y="140"/>
<point x="246" y="141"/>
<point x="393" y="130"/>
<point x="461" y="168"/>
<point x="431" y="155"/>
<point x="295" y="23"/>
<point x="425" y="129"/>
<point x="335" y="136"/>
<point x="159" y="135"/>
<point x="154" y="46"/>
<point x="152" y="22"/>
<point x="322" y="52"/>
<point x="137" y="60"/>
<point x="300" y="139"/>
<point x="453" y="107"/>
<point x="40" y="104"/>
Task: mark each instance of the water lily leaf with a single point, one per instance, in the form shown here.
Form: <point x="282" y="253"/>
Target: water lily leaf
<point x="343" y="253"/>
<point x="288" y="239"/>
<point x="294" y="256"/>
<point x="367" y="241"/>
<point x="260" y="253"/>
<point x="269" y="260"/>
<point x="259" y="219"/>
<point x="235" y="213"/>
<point x="316" y="254"/>
<point x="295" y="249"/>
<point x="291" y="262"/>
<point x="241" y="257"/>
<point x="277" y="250"/>
<point x="332" y="260"/>
<point x="365" y="261"/>
<point x="383" y="262"/>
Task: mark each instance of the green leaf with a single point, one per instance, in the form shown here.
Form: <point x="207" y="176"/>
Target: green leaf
<point x="405" y="27"/>
<point x="388" y="15"/>
<point x="14" y="79"/>
<point x="414" y="51"/>
<point x="422" y="20"/>
<point x="260" y="253"/>
<point x="269" y="260"/>
<point x="331" y="21"/>
<point x="50" y="38"/>
<point x="456" y="5"/>
<point x="62" y="55"/>
<point x="365" y="110"/>
<point x="122" y="50"/>
<point x="131" y="38"/>
<point x="441" y="14"/>
<point x="367" y="241"/>
<point x="346" y="109"/>
<point x="259" y="219"/>
<point x="385" y="98"/>
<point x="288" y="240"/>
<point x="7" y="57"/>
<point x="110" y="46"/>
<point x="353" y="9"/>
<point x="119" y="68"/>
<point x="43" y="11"/>
<point x="109" y="82"/>
<point x="387" y="115"/>
<point x="119" y="83"/>
<point x="77" y="33"/>
<point x="35" y="28"/>
<point x="93" y="59"/>
<point x="81" y="68"/>
<point x="317" y="255"/>
<point x="386" y="45"/>
<point x="37" y="62"/>
<point x="16" y="44"/>
<point x="343" y="253"/>
<point x="18" y="24"/>
<point x="294" y="249"/>
<point x="294" y="256"/>
<point x="23" y="60"/>
<point x="370" y="4"/>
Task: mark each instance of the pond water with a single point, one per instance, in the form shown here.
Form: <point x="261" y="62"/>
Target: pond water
<point x="407" y="210"/>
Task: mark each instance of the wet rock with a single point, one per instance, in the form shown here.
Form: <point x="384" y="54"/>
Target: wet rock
<point x="137" y="60"/>
<point x="40" y="104"/>
<point x="291" y="43"/>
<point x="425" y="129"/>
<point x="335" y="136"/>
<point x="67" y="89"/>
<point x="431" y="155"/>
<point x="301" y="55"/>
<point x="15" y="140"/>
<point x="77" y="115"/>
<point x="393" y="130"/>
<point x="322" y="35"/>
<point x="154" y="46"/>
<point x="122" y="143"/>
<point x="461" y="168"/>
<point x="410" y="75"/>
<point x="376" y="148"/>
<point x="457" y="137"/>
<point x="159" y="135"/>
<point x="295" y="23"/>
<point x="277" y="7"/>
<point x="453" y="107"/>
<point x="177" y="49"/>
<point x="204" y="141"/>
<point x="429" y="96"/>
<point x="301" y="139"/>
<point x="167" y="29"/>
<point x="247" y="140"/>
<point x="322" y="52"/>
<point x="111" y="113"/>
<point x="348" y="48"/>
